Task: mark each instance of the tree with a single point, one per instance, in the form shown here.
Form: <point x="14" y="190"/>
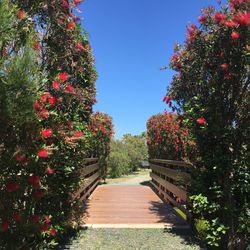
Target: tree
<point x="212" y="90"/>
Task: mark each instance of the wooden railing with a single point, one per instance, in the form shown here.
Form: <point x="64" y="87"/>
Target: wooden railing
<point x="171" y="179"/>
<point x="91" y="174"/>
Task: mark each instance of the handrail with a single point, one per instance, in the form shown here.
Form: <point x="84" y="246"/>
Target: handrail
<point x="170" y="180"/>
<point x="91" y="175"/>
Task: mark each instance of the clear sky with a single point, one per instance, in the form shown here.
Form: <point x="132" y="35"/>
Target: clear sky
<point x="131" y="41"/>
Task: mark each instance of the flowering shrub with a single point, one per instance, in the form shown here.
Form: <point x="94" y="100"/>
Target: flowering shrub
<point x="211" y="89"/>
<point x="47" y="83"/>
<point x="167" y="138"/>
<point x="102" y="128"/>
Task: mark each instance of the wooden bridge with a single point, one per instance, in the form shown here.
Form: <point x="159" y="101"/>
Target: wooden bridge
<point x="149" y="205"/>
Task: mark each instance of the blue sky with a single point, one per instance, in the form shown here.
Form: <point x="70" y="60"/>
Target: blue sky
<point x="131" y="41"/>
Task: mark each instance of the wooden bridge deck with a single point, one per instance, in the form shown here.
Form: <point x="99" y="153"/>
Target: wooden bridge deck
<point x="129" y="206"/>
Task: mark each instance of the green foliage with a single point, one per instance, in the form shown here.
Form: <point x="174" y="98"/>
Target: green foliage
<point x="127" y="154"/>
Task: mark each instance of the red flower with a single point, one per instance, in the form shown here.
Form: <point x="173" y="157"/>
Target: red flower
<point x="37" y="106"/>
<point x="78" y="134"/>
<point x="52" y="232"/>
<point x="65" y="4"/>
<point x="34" y="180"/>
<point x="69" y="124"/>
<point x="69" y="88"/>
<point x="219" y="17"/>
<point x="5" y="226"/>
<point x="79" y="46"/>
<point x="76" y="2"/>
<point x="21" y="158"/>
<point x="71" y="25"/>
<point x="21" y="14"/>
<point x="36" y="46"/>
<point x="12" y="187"/>
<point x="202" y="19"/>
<point x="228" y="76"/>
<point x="56" y="85"/>
<point x="17" y="217"/>
<point x="37" y="195"/>
<point x="52" y="100"/>
<point x="46" y="133"/>
<point x="50" y="171"/>
<point x="44" y="114"/>
<point x="35" y="218"/>
<point x="63" y="76"/>
<point x="242" y="18"/>
<point x="201" y="121"/>
<point x="43" y="153"/>
<point x="235" y="35"/>
<point x="45" y="227"/>
<point x="167" y="99"/>
<point x="224" y="66"/>
<point x="231" y="24"/>
<point x="47" y="219"/>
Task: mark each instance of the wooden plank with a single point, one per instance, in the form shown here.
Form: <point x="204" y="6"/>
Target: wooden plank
<point x="171" y="200"/>
<point x="90" y="159"/>
<point x="86" y="183"/>
<point x="170" y="162"/>
<point x="171" y="187"/>
<point x="85" y="196"/>
<point x="90" y="168"/>
<point x="125" y="208"/>
<point x="174" y="174"/>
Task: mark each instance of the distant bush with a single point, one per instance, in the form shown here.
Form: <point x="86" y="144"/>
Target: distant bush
<point x="126" y="155"/>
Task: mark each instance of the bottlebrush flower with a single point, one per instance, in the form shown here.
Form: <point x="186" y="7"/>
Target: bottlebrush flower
<point x="21" y="158"/>
<point x="79" y="46"/>
<point x="242" y="18"/>
<point x="37" y="106"/>
<point x="71" y="25"/>
<point x="34" y="180"/>
<point x="78" y="134"/>
<point x="37" y="195"/>
<point x="35" y="218"/>
<point x="50" y="171"/>
<point x="235" y="35"/>
<point x="43" y="153"/>
<point x="46" y="133"/>
<point x="52" y="100"/>
<point x="224" y="66"/>
<point x="69" y="124"/>
<point x="36" y="46"/>
<point x="219" y="17"/>
<point x="12" y="187"/>
<point x="231" y="24"/>
<point x="44" y="114"/>
<point x="201" y="121"/>
<point x="21" y="14"/>
<point x="17" y="217"/>
<point x="63" y="76"/>
<point x="228" y="76"/>
<point x="69" y="88"/>
<point x="76" y="2"/>
<point x="5" y="226"/>
<point x="65" y="4"/>
<point x="52" y="232"/>
<point x="56" y="85"/>
<point x="202" y="19"/>
<point x="167" y="99"/>
<point x="45" y="227"/>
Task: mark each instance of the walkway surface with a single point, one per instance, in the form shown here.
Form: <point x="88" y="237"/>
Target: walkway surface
<point x="134" y="206"/>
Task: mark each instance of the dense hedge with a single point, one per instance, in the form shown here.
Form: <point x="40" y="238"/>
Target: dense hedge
<point x="211" y="89"/>
<point x="168" y="138"/>
<point x="101" y="126"/>
<point x="47" y="89"/>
